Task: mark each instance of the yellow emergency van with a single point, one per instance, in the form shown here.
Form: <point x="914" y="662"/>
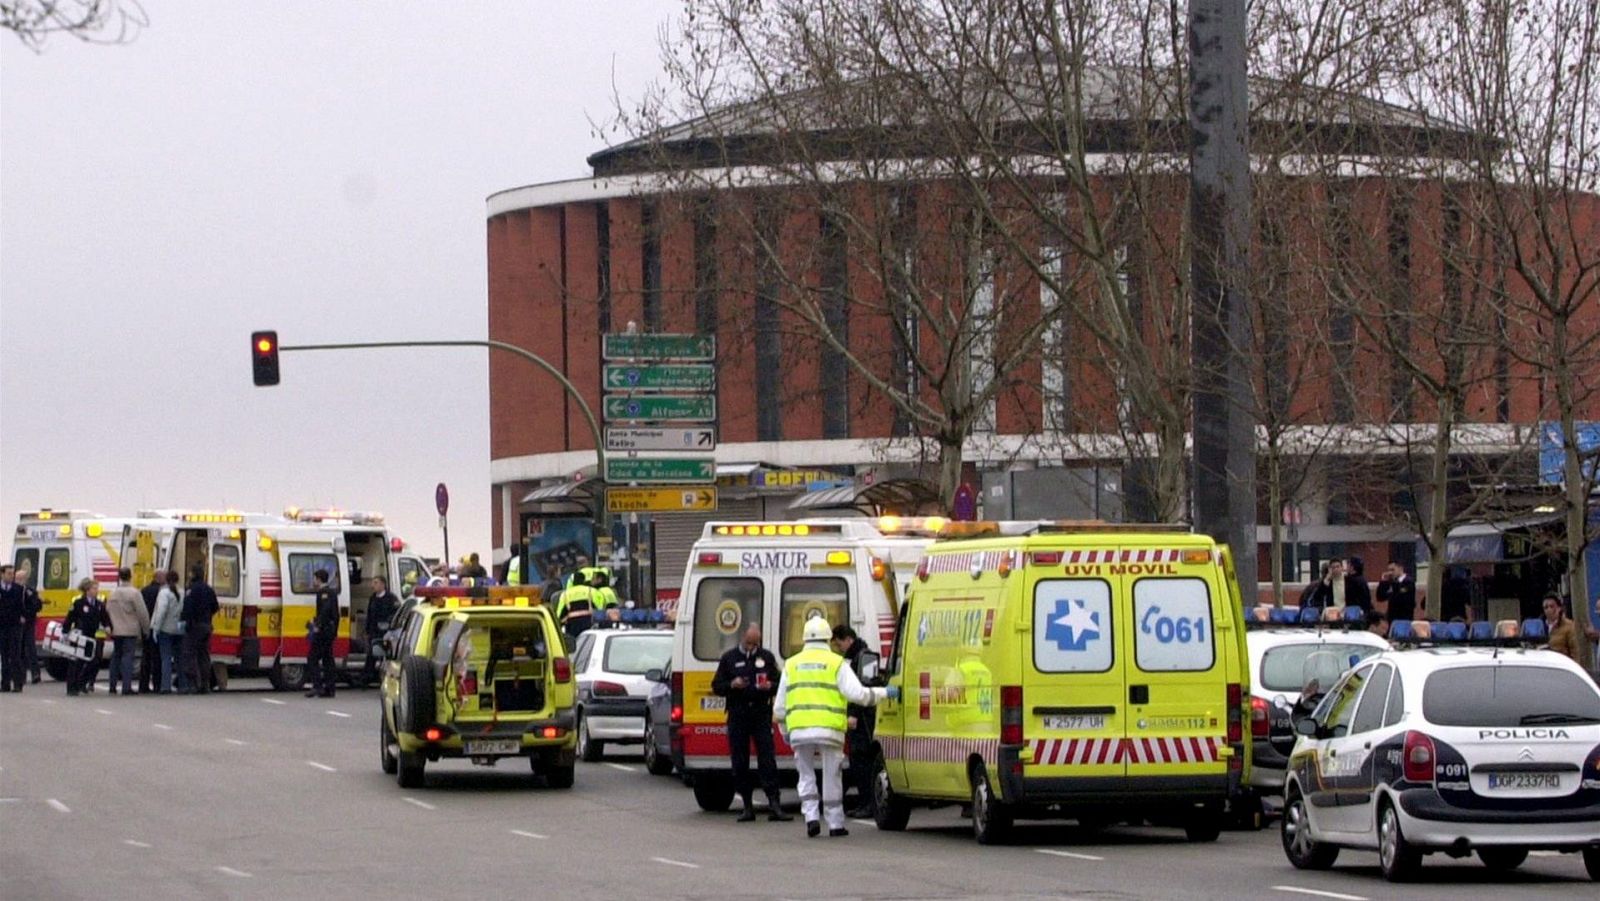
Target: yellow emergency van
<point x="776" y="575"/>
<point x="1090" y="671"/>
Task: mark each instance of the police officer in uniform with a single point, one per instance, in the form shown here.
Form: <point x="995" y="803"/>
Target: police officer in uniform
<point x="861" y="722"/>
<point x="575" y="610"/>
<point x="381" y="609"/>
<point x="747" y="675"/>
<point x="811" y="704"/>
<point x="324" y="628"/>
<point x="12" y="616"/>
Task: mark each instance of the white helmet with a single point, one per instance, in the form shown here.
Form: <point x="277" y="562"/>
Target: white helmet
<point x="817" y="629"/>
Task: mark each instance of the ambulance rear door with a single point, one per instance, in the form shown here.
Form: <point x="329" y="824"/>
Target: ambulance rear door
<point x="1177" y="683"/>
<point x="298" y="558"/>
<point x="145" y="547"/>
<point x="1074" y="689"/>
<point x="226" y="556"/>
<point x="718" y="604"/>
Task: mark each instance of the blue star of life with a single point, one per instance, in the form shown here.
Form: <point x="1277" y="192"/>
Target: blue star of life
<point x="1072" y="625"/>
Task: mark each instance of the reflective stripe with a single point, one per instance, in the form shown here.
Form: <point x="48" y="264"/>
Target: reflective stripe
<point x="813" y="702"/>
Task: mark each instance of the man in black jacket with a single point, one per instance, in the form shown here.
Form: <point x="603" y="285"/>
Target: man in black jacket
<point x="1398" y="593"/>
<point x="199" y="608"/>
<point x="11" y="617"/>
<point x="748" y="676"/>
<point x="1356" y="591"/>
<point x="381" y="608"/>
<point x="32" y="606"/>
<point x="861" y="722"/>
<point x="150" y="655"/>
<point x="324" y="628"/>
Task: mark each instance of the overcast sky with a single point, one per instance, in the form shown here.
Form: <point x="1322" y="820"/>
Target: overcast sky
<point x="318" y="168"/>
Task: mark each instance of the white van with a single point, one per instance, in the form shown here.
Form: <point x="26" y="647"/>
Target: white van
<point x="776" y="575"/>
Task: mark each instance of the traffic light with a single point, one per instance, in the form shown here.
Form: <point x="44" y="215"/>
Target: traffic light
<point x="264" y="357"/>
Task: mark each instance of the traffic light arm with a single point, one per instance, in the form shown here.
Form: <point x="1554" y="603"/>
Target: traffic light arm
<point x="572" y="391"/>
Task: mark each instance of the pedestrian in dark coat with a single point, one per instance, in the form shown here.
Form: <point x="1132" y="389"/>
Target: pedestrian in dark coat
<point x="199" y="608"/>
<point x="32" y="606"/>
<point x="324" y="628"/>
<point x="150" y="654"/>
<point x="87" y="615"/>
<point x="748" y="676"/>
<point x="11" y="622"/>
<point x="1356" y="591"/>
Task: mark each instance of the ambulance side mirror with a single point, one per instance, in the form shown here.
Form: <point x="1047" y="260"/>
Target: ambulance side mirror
<point x="868" y="667"/>
<point x="1306" y="726"/>
<point x="655" y="675"/>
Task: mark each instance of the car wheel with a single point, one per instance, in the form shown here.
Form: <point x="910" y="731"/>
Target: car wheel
<point x="1591" y="862"/>
<point x="1305" y="852"/>
<point x="991" y="817"/>
<point x="714" y="794"/>
<point x="287" y="676"/>
<point x="1203" y="825"/>
<point x="56" y="667"/>
<point x="1396" y="857"/>
<point x="385" y="737"/>
<point x="653" y="761"/>
<point x="558" y="776"/>
<point x="416" y="708"/>
<point x="589" y="750"/>
<point x="1502" y="859"/>
<point x="890" y="811"/>
<point x="409" y="768"/>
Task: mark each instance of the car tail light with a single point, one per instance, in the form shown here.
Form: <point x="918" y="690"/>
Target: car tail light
<point x="709" y="559"/>
<point x="677" y="698"/>
<point x="469" y="682"/>
<point x="609" y="690"/>
<point x="432" y="733"/>
<point x="1260" y="718"/>
<point x="562" y="668"/>
<point x="1011" y="714"/>
<point x="1418" y="757"/>
<point x="1235" y="713"/>
<point x="551" y="732"/>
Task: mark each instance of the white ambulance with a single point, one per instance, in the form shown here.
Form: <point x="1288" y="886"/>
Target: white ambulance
<point x="261" y="567"/>
<point x="777" y="575"/>
<point x="53" y="551"/>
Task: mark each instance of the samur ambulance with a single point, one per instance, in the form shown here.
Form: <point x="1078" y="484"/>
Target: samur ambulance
<point x="1089" y="671"/>
<point x="57" y="549"/>
<point x="776" y="575"/>
<point x="261" y="567"/>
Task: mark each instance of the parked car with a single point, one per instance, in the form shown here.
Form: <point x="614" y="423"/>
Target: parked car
<point x="610" y="667"/>
<point x="658" y="719"/>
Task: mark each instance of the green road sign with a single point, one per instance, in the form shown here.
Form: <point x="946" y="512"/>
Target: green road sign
<point x="660" y="377"/>
<point x="659" y="470"/>
<point x="656" y="407"/>
<point x="658" y="347"/>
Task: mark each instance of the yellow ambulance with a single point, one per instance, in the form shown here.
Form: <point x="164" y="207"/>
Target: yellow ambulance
<point x="776" y="575"/>
<point x="1079" y="670"/>
<point x="53" y="550"/>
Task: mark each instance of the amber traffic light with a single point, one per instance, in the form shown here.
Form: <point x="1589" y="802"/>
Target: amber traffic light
<point x="264" y="357"/>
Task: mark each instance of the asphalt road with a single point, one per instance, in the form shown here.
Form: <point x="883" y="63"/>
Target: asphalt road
<point x="254" y="794"/>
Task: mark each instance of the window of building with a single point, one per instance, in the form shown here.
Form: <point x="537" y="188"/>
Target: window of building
<point x="1054" y="374"/>
<point x="834" y="372"/>
<point x="650" y="225"/>
<point x="769" y="334"/>
<point x="705" y="267"/>
<point x="602" y="222"/>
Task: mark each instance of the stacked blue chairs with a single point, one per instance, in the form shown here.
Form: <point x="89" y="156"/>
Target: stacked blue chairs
<point x="1450" y="632"/>
<point x="1286" y="616"/>
<point x="1481" y="631"/>
<point x="1534" y="630"/>
<point x="1400" y="631"/>
<point x="1310" y="616"/>
<point x="1354" y="615"/>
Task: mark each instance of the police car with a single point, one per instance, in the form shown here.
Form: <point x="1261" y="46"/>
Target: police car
<point x="1461" y="750"/>
<point x="1284" y="658"/>
<point x="610" y="667"/>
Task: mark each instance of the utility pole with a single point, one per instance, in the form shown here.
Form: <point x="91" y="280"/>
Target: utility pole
<point x="1223" y="478"/>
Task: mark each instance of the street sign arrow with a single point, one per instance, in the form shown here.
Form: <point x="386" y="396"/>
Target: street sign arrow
<point x="658" y="347"/>
<point x="674" y="499"/>
<point x="660" y="407"/>
<point x="660" y="377"/>
<point x="660" y="470"/>
<point x="689" y="438"/>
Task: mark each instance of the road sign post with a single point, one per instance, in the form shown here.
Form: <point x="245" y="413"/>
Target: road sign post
<point x="441" y="502"/>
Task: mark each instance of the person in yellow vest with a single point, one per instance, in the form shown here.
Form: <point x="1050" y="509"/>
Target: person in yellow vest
<point x="811" y="710"/>
<point x="575" y="609"/>
<point x="605" y="597"/>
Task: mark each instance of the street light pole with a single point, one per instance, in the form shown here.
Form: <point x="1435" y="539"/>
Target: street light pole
<point x="602" y="515"/>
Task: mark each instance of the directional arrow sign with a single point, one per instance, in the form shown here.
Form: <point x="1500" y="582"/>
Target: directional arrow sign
<point x="658" y="347"/>
<point x="677" y="499"/>
<point x="660" y="377"/>
<point x="659" y="470"/>
<point x="699" y="439"/>
<point x="654" y="407"/>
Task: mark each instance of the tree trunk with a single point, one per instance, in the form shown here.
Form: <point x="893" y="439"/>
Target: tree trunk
<point x="1438" y="522"/>
<point x="1274" y="517"/>
<point x="950" y="460"/>
<point x="1576" y="489"/>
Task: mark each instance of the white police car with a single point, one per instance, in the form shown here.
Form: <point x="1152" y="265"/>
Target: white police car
<point x="1493" y="751"/>
<point x="1282" y="662"/>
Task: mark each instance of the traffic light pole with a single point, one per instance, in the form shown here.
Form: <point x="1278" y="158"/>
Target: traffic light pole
<point x="602" y="515"/>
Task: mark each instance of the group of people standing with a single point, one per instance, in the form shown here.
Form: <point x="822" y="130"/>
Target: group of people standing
<point x="168" y="632"/>
<point x="19" y="615"/>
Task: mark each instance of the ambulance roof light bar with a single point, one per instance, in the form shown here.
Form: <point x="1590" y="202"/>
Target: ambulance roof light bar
<point x="1077" y="526"/>
<point x="772" y="529"/>
<point x="333" y="515"/>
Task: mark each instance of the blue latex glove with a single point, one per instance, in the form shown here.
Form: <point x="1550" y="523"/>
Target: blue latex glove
<point x="894" y="692"/>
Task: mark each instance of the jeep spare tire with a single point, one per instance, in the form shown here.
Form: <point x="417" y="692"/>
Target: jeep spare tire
<point x="416" y="708"/>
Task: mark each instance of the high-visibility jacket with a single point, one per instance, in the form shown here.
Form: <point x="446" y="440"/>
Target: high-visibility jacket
<point x="814" y="699"/>
<point x="514" y="570"/>
<point x="578" y="577"/>
<point x="604" y="597"/>
<point x="577" y="601"/>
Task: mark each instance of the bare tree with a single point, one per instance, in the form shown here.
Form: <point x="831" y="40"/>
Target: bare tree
<point x="94" y="21"/>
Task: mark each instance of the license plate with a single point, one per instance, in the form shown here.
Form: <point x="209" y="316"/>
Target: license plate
<point x="1514" y="781"/>
<point x="1076" y="721"/>
<point x="494" y="746"/>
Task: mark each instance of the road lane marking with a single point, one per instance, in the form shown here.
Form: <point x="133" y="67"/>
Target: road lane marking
<point x="1072" y="854"/>
<point x="234" y="741"/>
<point x="338" y="713"/>
<point x="1297" y="890"/>
<point x="676" y="863"/>
<point x="321" y="766"/>
<point x="136" y="844"/>
<point x="422" y="804"/>
<point x="58" y="805"/>
<point x="528" y="834"/>
<point x="230" y="871"/>
<point x="1544" y="853"/>
<point x="623" y="767"/>
<point x="9" y="800"/>
<point x="273" y="701"/>
<point x="162" y="726"/>
<point x="47" y="701"/>
<point x="102" y="711"/>
<point x="865" y="822"/>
